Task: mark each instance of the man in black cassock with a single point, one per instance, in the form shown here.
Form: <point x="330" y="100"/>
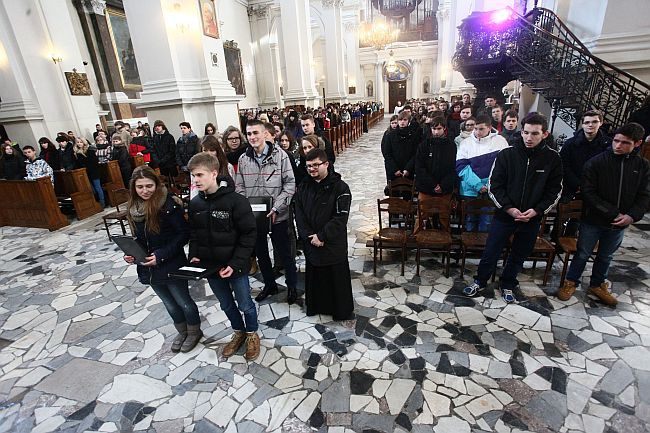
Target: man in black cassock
<point x="322" y="204"/>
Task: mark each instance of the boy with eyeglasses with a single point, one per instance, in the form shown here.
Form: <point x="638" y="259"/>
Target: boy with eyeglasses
<point x="577" y="150"/>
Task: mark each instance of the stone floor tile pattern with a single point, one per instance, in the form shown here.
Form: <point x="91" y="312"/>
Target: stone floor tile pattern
<point x="84" y="347"/>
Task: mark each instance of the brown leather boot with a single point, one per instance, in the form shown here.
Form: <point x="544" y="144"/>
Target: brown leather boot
<point x="238" y="338"/>
<point x="602" y="292"/>
<point x="566" y="291"/>
<point x="194" y="334"/>
<point x="252" y="346"/>
<point x="180" y="338"/>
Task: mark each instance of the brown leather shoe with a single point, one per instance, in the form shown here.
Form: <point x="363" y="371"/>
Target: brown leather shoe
<point x="252" y="346"/>
<point x="566" y="291"/>
<point x="238" y="338"/>
<point x="602" y="293"/>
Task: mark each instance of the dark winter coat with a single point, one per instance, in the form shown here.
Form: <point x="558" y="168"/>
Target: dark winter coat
<point x="399" y="150"/>
<point x="12" y="167"/>
<point x="90" y="162"/>
<point x="121" y="155"/>
<point x="167" y="245"/>
<point x="233" y="157"/>
<point x="525" y="179"/>
<point x="323" y="208"/>
<point x="164" y="150"/>
<point x="52" y="157"/>
<point x="575" y="152"/>
<point x="512" y="137"/>
<point x="435" y="164"/>
<point x="329" y="149"/>
<point x="613" y="184"/>
<point x="67" y="157"/>
<point x="223" y="228"/>
<point x="186" y="147"/>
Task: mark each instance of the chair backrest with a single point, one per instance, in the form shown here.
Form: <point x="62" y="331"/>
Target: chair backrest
<point x="436" y="207"/>
<point x="476" y="207"/>
<point x="393" y="207"/>
<point x="120" y="196"/>
<point x="566" y="212"/>
<point x="401" y="187"/>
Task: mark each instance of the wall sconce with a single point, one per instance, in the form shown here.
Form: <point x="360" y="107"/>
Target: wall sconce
<point x="56" y="58"/>
<point x="181" y="20"/>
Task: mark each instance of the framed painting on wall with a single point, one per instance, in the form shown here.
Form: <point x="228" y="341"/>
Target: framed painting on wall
<point x="209" y="18"/>
<point x="234" y="66"/>
<point x="123" y="47"/>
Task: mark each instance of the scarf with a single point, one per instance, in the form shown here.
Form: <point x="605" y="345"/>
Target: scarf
<point x="137" y="209"/>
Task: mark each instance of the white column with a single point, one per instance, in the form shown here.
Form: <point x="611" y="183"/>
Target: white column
<point x="296" y="45"/>
<point x="335" y="68"/>
<point x="36" y="99"/>
<point x="260" y="21"/>
<point x="179" y="80"/>
<point x="417" y="79"/>
<point x="443" y="68"/>
<point x="379" y="83"/>
<point x="353" y="68"/>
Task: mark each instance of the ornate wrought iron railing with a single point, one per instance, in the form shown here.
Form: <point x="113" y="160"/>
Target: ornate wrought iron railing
<point x="544" y="54"/>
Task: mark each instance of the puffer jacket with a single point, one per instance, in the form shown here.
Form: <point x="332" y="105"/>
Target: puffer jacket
<point x="167" y="245"/>
<point x="399" y="150"/>
<point x="474" y="160"/>
<point x="223" y="228"/>
<point x="272" y="178"/>
<point x="613" y="184"/>
<point x="164" y="150"/>
<point x="323" y="208"/>
<point x="186" y="147"/>
<point x="524" y="178"/>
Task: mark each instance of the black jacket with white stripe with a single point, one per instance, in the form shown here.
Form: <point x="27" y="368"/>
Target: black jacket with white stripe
<point x="526" y="178"/>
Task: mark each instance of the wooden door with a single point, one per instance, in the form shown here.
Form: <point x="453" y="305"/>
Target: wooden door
<point x="396" y="92"/>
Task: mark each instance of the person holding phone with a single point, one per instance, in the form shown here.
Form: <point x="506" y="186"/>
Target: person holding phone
<point x="161" y="230"/>
<point x="223" y="235"/>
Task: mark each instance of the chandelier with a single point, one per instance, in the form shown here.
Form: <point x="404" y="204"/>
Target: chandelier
<point x="377" y="34"/>
<point x="391" y="65"/>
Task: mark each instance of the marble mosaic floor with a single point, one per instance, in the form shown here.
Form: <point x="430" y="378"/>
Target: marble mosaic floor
<point x="84" y="346"/>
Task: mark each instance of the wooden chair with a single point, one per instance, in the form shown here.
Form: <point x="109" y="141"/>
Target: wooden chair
<point x="543" y="251"/>
<point x="401" y="187"/>
<point x="118" y="216"/>
<point x="473" y="242"/>
<point x="568" y="242"/>
<point x="436" y="238"/>
<point x="389" y="237"/>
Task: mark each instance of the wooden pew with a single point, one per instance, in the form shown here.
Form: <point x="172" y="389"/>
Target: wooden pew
<point x="137" y="161"/>
<point x="111" y="180"/>
<point x="30" y="203"/>
<point x="75" y="184"/>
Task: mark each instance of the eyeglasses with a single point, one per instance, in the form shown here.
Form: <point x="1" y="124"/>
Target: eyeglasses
<point x="314" y="166"/>
<point x="232" y="139"/>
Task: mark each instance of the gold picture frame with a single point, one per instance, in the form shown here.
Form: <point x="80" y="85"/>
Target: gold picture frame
<point x="209" y="18"/>
<point x="123" y="49"/>
<point x="78" y="83"/>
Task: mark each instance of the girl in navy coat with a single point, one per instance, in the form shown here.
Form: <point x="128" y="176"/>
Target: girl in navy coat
<point x="161" y="230"/>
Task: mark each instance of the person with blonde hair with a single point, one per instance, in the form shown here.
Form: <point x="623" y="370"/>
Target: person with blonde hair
<point x="161" y="230"/>
<point x="86" y="157"/>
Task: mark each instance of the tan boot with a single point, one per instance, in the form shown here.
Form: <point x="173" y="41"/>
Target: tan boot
<point x="238" y="338"/>
<point x="253" y="266"/>
<point x="602" y="293"/>
<point x="252" y="346"/>
<point x="566" y="291"/>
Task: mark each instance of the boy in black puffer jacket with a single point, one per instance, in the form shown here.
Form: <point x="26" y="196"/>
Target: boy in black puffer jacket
<point x="223" y="234"/>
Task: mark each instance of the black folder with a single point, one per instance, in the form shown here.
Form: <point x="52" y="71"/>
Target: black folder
<point x="130" y="246"/>
<point x="261" y="207"/>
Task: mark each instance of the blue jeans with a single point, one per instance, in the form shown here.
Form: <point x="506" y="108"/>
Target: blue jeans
<point x="280" y="238"/>
<point x="97" y="187"/>
<point x="608" y="238"/>
<point x="176" y="298"/>
<point x="523" y="242"/>
<point x="223" y="289"/>
<point x="477" y="223"/>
